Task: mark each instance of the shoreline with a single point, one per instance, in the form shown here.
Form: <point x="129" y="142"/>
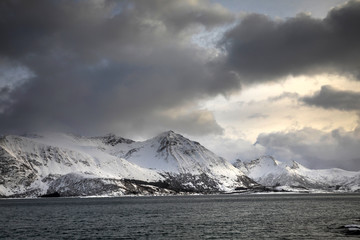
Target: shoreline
<point x="185" y="195"/>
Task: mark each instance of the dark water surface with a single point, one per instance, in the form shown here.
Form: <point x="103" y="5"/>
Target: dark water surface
<point x="181" y="217"/>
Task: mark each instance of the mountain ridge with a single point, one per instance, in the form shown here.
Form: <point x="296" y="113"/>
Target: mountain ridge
<point x="72" y="165"/>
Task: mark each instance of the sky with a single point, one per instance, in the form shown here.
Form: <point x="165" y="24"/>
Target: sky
<point x="245" y="78"/>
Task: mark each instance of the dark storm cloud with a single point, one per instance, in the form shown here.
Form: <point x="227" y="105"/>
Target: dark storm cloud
<point x="314" y="148"/>
<point x="261" y="49"/>
<point x="44" y="26"/>
<point x="330" y="98"/>
<point x="108" y="65"/>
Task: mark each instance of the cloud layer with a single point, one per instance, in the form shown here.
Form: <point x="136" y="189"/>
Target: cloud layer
<point x="109" y="65"/>
<point x="261" y="49"/>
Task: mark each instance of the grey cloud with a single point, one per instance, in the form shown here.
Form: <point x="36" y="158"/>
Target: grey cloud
<point x="5" y="100"/>
<point x="262" y="49"/>
<point x="284" y="95"/>
<point x="314" y="148"/>
<point x="330" y="98"/>
<point x="177" y="15"/>
<point x="108" y="65"/>
<point x="41" y="26"/>
<point x="258" y="115"/>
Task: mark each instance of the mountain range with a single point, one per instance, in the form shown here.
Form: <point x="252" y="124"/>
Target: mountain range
<point x="69" y="165"/>
<point x="57" y="164"/>
<point x="282" y="176"/>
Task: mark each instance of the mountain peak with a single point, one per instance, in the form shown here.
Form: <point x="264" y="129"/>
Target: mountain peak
<point x="267" y="159"/>
<point x="170" y="136"/>
<point x="169" y="133"/>
<point x="295" y="165"/>
<point x="113" y="140"/>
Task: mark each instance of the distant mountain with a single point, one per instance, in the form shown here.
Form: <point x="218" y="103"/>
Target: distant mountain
<point x="70" y="165"/>
<point x="295" y="177"/>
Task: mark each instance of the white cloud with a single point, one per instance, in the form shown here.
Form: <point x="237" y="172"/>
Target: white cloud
<point x="279" y="102"/>
<point x="232" y="149"/>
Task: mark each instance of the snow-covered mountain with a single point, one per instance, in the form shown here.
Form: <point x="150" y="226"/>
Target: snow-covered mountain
<point x="177" y="157"/>
<point x="30" y="165"/>
<point x="294" y="177"/>
<point x="34" y="165"/>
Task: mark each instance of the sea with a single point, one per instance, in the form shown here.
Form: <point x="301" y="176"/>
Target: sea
<point x="243" y="216"/>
